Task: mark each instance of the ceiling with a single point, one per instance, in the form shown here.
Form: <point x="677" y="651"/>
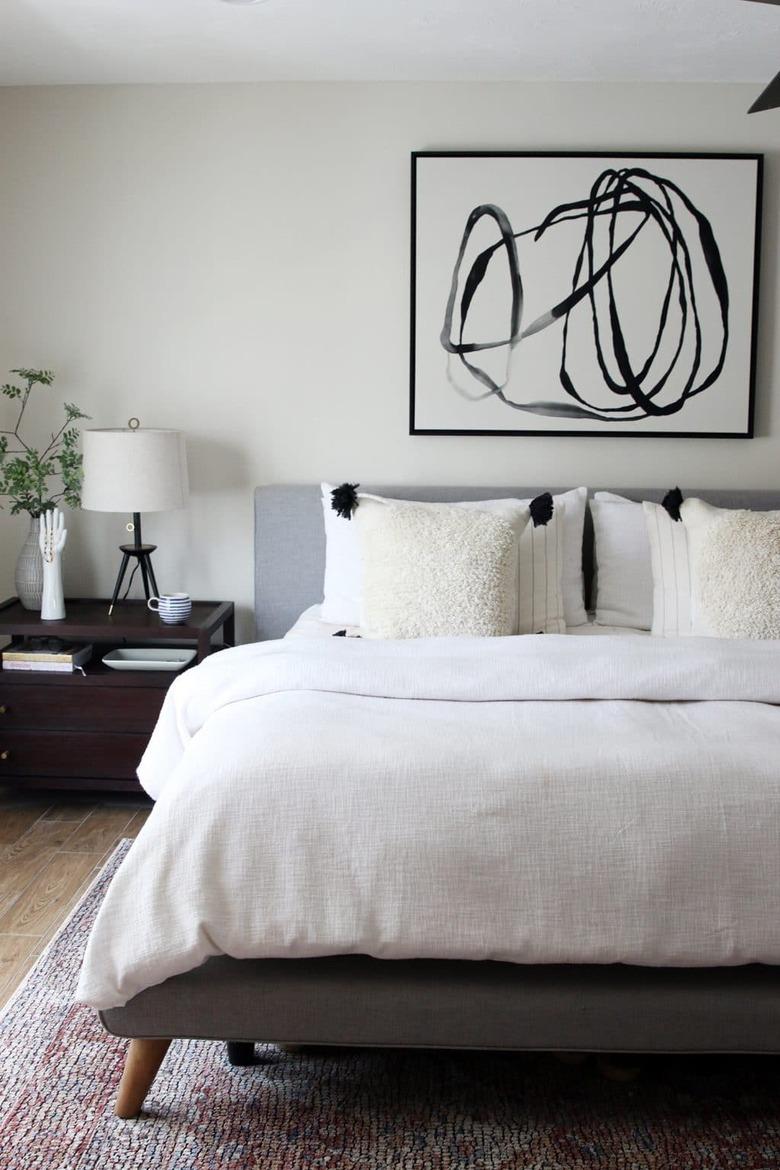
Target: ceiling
<point x="98" y="41"/>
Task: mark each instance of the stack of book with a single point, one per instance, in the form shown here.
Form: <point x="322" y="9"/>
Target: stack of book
<point x="46" y="654"/>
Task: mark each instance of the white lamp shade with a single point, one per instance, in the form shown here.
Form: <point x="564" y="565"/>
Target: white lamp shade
<point x="142" y="470"/>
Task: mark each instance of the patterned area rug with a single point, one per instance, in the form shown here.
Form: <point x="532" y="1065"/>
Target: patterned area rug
<point x="368" y="1109"/>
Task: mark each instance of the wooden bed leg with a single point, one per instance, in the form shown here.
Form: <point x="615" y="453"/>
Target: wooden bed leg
<point x="143" y="1059"/>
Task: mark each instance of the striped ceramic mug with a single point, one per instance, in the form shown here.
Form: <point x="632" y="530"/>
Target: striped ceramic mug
<point x="173" y="608"/>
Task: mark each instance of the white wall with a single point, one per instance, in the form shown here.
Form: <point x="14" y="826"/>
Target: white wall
<point x="233" y="260"/>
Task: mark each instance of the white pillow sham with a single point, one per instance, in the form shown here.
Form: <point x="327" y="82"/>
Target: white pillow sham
<point x="438" y="570"/>
<point x="623" y="572"/>
<point x="551" y="593"/>
<point x="734" y="570"/>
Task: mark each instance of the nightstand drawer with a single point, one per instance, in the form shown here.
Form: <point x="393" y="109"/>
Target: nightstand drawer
<point x="78" y="708"/>
<point x="48" y="753"/>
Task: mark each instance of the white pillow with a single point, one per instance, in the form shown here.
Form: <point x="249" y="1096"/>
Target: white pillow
<point x="624" y="576"/>
<point x="437" y="570"/>
<point x="348" y="557"/>
<point x="671" y="573"/>
<point x="735" y="570"/>
<point x="560" y="584"/>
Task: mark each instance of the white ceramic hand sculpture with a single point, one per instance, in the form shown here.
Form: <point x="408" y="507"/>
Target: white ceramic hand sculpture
<point x="52" y="539"/>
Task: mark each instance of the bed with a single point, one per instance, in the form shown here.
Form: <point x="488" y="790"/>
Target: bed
<point x="731" y="1004"/>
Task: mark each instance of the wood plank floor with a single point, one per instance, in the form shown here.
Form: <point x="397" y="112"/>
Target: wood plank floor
<point x="51" y="847"/>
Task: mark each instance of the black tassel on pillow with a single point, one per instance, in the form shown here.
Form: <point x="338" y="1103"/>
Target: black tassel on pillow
<point x="344" y="499"/>
<point x="671" y="502"/>
<point x="542" y="509"/>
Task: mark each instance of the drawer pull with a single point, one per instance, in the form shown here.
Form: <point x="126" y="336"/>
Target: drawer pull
<point x="5" y="755"/>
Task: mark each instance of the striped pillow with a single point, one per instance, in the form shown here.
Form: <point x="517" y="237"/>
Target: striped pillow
<point x="540" y="604"/>
<point x="671" y="573"/>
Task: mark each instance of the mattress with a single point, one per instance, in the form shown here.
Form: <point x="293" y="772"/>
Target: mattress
<point x="309" y="625"/>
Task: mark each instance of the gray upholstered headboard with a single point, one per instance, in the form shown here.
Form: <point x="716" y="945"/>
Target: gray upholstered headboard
<point x="290" y="538"/>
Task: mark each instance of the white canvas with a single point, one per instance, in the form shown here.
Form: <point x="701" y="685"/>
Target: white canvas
<point x="665" y="302"/>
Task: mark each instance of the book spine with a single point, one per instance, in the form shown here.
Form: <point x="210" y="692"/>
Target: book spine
<point x="31" y="656"/>
<point x="76" y="658"/>
<point x="42" y="667"/>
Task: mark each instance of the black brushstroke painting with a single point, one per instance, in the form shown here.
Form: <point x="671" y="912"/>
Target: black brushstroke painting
<point x="623" y="369"/>
<point x="614" y="194"/>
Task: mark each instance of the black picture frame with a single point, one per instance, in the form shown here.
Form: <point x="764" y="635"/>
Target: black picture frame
<point x="417" y="159"/>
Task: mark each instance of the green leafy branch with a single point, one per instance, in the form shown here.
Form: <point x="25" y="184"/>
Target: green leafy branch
<point x="25" y="472"/>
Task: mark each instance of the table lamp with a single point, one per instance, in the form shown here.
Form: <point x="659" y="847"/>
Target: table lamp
<point x="134" y="469"/>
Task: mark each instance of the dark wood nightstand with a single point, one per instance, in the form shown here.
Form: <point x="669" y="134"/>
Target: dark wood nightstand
<point x="89" y="731"/>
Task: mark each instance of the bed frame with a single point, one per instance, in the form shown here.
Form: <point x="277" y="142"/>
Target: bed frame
<point x="356" y="1000"/>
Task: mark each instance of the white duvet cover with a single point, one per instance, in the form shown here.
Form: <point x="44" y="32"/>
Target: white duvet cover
<point x="535" y="799"/>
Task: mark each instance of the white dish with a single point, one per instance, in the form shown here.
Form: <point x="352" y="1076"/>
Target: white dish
<point x="162" y="659"/>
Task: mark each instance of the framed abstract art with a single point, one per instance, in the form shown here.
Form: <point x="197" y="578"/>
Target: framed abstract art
<point x="584" y="294"/>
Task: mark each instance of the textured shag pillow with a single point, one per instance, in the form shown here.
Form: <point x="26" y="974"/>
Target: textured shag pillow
<point x="735" y="570"/>
<point x="435" y="570"/>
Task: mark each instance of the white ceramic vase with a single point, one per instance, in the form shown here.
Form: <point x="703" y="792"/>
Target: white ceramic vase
<point x="28" y="577"/>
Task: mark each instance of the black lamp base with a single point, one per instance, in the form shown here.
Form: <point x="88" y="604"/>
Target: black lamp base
<point x="143" y="555"/>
